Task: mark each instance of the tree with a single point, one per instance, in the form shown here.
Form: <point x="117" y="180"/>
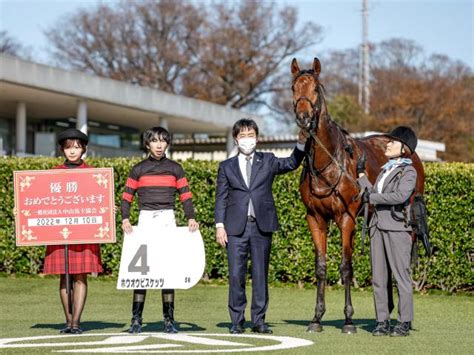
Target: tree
<point x="148" y="43"/>
<point x="345" y="110"/>
<point x="225" y="52"/>
<point x="10" y="46"/>
<point x="341" y="72"/>
<point x="396" y="53"/>
<point x="243" y="49"/>
<point x="434" y="96"/>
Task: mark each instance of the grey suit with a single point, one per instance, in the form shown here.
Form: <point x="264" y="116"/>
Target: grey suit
<point x="390" y="244"/>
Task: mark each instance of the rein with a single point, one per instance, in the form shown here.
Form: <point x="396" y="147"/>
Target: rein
<point x="313" y="134"/>
<point x="314" y="171"/>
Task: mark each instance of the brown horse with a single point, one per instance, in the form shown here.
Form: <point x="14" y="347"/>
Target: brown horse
<point x="328" y="186"/>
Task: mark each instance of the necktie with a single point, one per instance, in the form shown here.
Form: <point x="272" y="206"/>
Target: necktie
<point x="249" y="174"/>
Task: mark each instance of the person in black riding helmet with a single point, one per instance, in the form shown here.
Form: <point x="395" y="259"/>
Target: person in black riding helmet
<point x="391" y="239"/>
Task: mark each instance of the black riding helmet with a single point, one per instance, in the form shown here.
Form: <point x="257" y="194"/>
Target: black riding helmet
<point x="406" y="136"/>
<point x="72" y="133"/>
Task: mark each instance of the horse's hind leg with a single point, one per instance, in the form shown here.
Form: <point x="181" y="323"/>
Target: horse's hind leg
<point x="318" y="232"/>
<point x="347" y="228"/>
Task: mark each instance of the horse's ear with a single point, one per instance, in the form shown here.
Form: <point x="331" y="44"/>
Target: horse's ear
<point x="316" y="66"/>
<point x="295" y="68"/>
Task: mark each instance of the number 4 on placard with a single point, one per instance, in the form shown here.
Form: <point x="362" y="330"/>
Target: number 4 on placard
<point x="143" y="268"/>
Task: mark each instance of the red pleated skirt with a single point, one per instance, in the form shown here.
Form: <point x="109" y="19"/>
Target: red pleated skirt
<point x="83" y="259"/>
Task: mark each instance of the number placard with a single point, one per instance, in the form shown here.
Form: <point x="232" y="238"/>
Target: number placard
<point x="169" y="258"/>
<point x="142" y="254"/>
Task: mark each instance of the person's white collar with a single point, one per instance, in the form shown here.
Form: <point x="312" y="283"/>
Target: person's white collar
<point x="244" y="156"/>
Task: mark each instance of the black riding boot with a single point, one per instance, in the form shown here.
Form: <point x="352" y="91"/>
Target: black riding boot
<point x="168" y="311"/>
<point x="136" y="322"/>
<point x="137" y="310"/>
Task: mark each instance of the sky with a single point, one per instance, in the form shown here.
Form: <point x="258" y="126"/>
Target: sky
<point x="438" y="26"/>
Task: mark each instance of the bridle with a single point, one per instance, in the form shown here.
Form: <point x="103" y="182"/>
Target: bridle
<point x="312" y="131"/>
<point x="315" y="106"/>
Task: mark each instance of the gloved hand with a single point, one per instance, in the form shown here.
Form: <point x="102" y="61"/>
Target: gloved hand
<point x="360" y="168"/>
<point x="365" y="196"/>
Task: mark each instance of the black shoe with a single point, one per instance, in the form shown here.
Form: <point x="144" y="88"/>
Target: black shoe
<point x="382" y="328"/>
<point x="136" y="325"/>
<point x="76" y="330"/>
<point x="65" y="330"/>
<point x="262" y="329"/>
<point x="402" y="329"/>
<point x="169" y="326"/>
<point x="236" y="329"/>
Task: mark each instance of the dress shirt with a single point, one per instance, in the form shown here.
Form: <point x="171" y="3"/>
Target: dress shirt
<point x="382" y="179"/>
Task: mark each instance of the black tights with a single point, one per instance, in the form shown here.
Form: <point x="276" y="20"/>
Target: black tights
<point x="166" y="295"/>
<point x="78" y="298"/>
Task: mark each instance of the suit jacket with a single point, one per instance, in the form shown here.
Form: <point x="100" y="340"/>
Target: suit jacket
<point x="397" y="189"/>
<point x="233" y="195"/>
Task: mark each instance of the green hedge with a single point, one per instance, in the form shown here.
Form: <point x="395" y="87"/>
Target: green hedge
<point x="449" y="195"/>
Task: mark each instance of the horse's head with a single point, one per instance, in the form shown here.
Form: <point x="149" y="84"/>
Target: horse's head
<point x="307" y="94"/>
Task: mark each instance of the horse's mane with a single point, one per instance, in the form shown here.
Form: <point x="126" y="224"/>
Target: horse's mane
<point x="345" y="131"/>
<point x="322" y="92"/>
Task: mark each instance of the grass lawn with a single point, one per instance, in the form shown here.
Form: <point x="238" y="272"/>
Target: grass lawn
<point x="31" y="307"/>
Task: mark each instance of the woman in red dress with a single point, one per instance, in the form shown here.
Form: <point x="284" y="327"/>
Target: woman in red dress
<point x="83" y="258"/>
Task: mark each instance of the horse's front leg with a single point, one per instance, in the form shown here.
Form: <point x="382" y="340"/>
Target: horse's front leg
<point x="317" y="227"/>
<point x="347" y="228"/>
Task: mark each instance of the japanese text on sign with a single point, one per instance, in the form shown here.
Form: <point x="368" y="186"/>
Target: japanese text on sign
<point x="64" y="206"/>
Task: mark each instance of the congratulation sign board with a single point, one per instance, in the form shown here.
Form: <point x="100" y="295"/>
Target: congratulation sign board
<point x="167" y="258"/>
<point x="64" y="206"/>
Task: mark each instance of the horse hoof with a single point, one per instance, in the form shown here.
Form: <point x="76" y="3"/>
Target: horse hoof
<point x="314" y="328"/>
<point x="349" y="329"/>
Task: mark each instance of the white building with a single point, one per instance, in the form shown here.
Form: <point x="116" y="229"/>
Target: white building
<point x="281" y="146"/>
<point x="38" y="101"/>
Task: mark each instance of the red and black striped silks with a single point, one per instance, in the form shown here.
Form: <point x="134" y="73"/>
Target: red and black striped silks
<point x="156" y="182"/>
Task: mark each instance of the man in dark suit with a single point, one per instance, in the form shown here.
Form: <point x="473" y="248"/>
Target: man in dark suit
<point x="245" y="216"/>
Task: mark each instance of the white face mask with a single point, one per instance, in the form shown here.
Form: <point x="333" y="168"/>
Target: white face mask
<point x="247" y="145"/>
